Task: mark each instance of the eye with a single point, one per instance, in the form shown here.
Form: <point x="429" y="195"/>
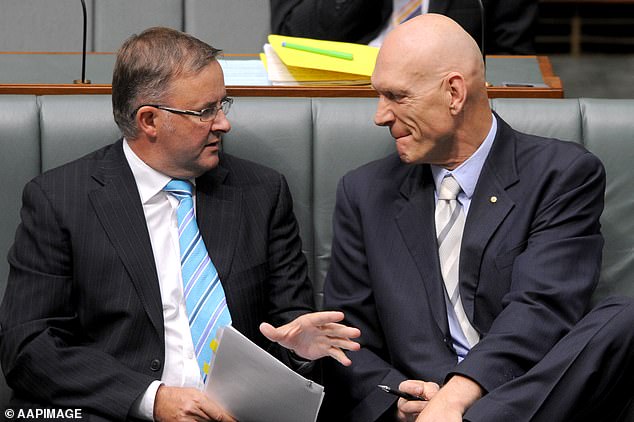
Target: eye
<point x="392" y="96"/>
<point x="208" y="113"/>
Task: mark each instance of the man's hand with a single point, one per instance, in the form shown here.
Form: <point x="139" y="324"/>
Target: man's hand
<point x="315" y="335"/>
<point x="186" y="404"/>
<point x="408" y="410"/>
<point x="452" y="401"/>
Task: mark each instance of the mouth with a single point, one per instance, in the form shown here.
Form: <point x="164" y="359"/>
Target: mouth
<point x="398" y="134"/>
<point x="215" y="143"/>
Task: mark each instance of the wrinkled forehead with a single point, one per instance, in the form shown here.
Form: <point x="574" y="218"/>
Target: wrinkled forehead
<point x="396" y="69"/>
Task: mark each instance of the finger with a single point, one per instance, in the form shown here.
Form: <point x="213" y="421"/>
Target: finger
<point x="323" y="317"/>
<point x="270" y="332"/>
<point x="214" y="412"/>
<point x="411" y="407"/>
<point x="340" y="343"/>
<point x="415" y="387"/>
<point x="340" y="330"/>
<point x="228" y="418"/>
<point x="339" y="356"/>
<point x="431" y="388"/>
<point x="423" y="389"/>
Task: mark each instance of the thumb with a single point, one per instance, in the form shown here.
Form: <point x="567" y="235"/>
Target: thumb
<point x="269" y="331"/>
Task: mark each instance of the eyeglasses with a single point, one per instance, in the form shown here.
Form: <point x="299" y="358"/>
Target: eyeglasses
<point x="205" y="115"/>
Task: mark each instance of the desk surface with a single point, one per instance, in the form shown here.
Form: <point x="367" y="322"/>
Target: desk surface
<point x="22" y="74"/>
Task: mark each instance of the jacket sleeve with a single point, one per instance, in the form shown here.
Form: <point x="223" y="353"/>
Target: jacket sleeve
<point x="44" y="352"/>
<point x="353" y="390"/>
<point x="552" y="278"/>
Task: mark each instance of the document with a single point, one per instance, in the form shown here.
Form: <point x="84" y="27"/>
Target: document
<point x="254" y="386"/>
<point x="362" y="58"/>
<point x="280" y="74"/>
<point x="244" y="72"/>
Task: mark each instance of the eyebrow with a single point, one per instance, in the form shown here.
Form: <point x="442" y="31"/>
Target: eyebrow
<point x="210" y="104"/>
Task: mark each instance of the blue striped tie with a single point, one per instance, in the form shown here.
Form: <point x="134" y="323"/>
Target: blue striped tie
<point x="206" y="303"/>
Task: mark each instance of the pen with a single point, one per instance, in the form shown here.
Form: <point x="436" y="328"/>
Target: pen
<point x="401" y="394"/>
<point x="330" y="53"/>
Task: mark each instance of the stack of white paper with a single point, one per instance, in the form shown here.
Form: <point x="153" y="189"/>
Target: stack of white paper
<point x="254" y="386"/>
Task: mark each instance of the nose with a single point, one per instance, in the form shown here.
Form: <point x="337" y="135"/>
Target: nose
<point x="220" y="123"/>
<point x="383" y="115"/>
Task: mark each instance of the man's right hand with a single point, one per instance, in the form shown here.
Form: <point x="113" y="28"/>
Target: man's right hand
<point x="408" y="410"/>
<point x="187" y="404"/>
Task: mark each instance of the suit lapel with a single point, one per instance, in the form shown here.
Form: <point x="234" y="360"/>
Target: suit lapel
<point x="489" y="207"/>
<point x="218" y="211"/>
<point x="118" y="207"/>
<point x="416" y="224"/>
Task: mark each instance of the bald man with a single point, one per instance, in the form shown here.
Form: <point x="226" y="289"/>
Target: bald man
<point x="509" y="342"/>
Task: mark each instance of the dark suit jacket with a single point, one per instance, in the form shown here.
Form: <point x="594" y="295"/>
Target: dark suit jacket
<point x="82" y="320"/>
<point x="509" y="23"/>
<point x="530" y="258"/>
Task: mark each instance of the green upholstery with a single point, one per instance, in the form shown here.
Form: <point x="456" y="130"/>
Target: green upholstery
<point x="19" y="162"/>
<point x="608" y="131"/>
<point x="314" y="142"/>
<point x="345" y="138"/>
<point x="73" y="126"/>
<point x="39" y="25"/>
<point x="277" y="132"/>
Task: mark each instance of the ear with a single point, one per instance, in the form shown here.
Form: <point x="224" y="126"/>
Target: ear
<point x="457" y="92"/>
<point x="146" y="120"/>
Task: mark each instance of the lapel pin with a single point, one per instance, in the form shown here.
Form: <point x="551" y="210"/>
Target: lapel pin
<point x="493" y="199"/>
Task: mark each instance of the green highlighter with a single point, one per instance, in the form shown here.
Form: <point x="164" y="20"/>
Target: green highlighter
<point x="329" y="53"/>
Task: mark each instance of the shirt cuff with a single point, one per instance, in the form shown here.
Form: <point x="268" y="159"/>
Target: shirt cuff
<point x="143" y="407"/>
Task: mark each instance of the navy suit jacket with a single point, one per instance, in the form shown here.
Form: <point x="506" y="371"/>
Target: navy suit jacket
<point x="82" y="320"/>
<point x="509" y="23"/>
<point x="530" y="259"/>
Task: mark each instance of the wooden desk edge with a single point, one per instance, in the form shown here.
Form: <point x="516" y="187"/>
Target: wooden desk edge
<point x="554" y="89"/>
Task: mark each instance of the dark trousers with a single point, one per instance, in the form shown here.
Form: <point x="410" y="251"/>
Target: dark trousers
<point x="587" y="376"/>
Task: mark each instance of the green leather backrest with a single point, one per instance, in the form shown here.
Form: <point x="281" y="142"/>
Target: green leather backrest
<point x="314" y="142"/>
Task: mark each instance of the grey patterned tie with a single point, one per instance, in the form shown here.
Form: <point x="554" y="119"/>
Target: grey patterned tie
<point x="450" y="221"/>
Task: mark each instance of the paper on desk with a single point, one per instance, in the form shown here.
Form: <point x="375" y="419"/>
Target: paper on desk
<point x="244" y="72"/>
<point x="254" y="386"/>
<point x="280" y="74"/>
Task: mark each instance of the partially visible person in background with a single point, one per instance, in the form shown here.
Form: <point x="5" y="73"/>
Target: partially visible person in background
<point x="509" y="24"/>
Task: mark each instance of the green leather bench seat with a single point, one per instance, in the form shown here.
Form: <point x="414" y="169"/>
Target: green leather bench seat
<point x="314" y="141"/>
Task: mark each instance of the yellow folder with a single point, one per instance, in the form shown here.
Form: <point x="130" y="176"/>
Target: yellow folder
<point x="361" y="58"/>
<point x="280" y="74"/>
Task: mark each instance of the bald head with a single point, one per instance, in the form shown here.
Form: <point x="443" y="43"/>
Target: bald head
<point x="430" y="46"/>
<point x="429" y="75"/>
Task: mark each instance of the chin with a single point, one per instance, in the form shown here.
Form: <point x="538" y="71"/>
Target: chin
<point x="405" y="158"/>
<point x="212" y="162"/>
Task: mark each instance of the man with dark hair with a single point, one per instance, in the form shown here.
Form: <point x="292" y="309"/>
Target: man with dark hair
<point x="118" y="283"/>
<point x="468" y="257"/>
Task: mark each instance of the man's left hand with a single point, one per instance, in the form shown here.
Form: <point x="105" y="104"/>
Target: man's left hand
<point x="315" y="335"/>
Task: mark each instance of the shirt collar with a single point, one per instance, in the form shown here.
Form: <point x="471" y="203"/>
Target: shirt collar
<point x="467" y="173"/>
<point x="148" y="181"/>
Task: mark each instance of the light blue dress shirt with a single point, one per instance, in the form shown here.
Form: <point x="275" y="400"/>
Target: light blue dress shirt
<point x="466" y="174"/>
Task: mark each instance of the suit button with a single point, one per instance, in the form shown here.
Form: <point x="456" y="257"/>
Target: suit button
<point x="155" y="365"/>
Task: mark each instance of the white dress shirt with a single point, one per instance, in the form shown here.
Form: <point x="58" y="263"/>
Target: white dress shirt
<point x="180" y="368"/>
